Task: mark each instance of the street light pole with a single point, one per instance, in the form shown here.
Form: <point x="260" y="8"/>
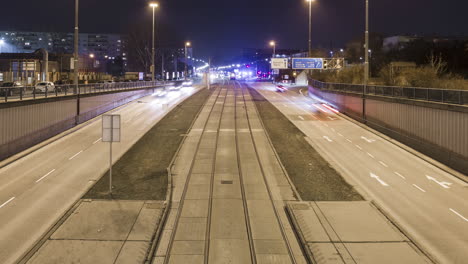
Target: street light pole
<point x="187" y="44"/>
<point x="273" y="44"/>
<point x="153" y="50"/>
<point x="75" y="55"/>
<point x="366" y="64"/>
<point x="310" y="27"/>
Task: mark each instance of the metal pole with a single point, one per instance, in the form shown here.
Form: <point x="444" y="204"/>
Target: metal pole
<point x="366" y="65"/>
<point x="153" y="68"/>
<point x="185" y="71"/>
<point x="75" y="55"/>
<point x="310" y="28"/>
<point x="110" y="168"/>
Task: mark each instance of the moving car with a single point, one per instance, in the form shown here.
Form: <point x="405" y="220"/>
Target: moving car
<point x="281" y="89"/>
<point x="42" y="87"/>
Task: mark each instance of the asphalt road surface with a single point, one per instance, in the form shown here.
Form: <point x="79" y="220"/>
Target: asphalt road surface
<point x="429" y="204"/>
<point x="36" y="190"/>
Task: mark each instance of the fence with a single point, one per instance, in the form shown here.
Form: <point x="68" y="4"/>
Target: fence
<point x="459" y="97"/>
<point x="36" y="92"/>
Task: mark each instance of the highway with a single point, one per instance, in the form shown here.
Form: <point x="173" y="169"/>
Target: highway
<point x="427" y="203"/>
<point x="36" y="190"/>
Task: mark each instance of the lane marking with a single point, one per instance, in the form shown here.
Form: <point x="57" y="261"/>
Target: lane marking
<point x="370" y="155"/>
<point x="325" y="125"/>
<point x="445" y="185"/>
<point x="453" y="211"/>
<point x="340" y="135"/>
<point x="400" y="175"/>
<point x="359" y="147"/>
<point x="421" y="189"/>
<point x="349" y="141"/>
<point x="300" y="117"/>
<point x="5" y="203"/>
<point x="383" y="164"/>
<point x="372" y="175"/>
<point x="74" y="156"/>
<point x="97" y="141"/>
<point x="327" y="138"/>
<point x="50" y="172"/>
<point x="333" y="130"/>
<point x="369" y="140"/>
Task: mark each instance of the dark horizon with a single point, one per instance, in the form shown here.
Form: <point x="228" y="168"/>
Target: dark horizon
<point x="218" y="29"/>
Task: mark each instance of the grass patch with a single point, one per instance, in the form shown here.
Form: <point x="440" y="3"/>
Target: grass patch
<point x="141" y="173"/>
<point x="314" y="178"/>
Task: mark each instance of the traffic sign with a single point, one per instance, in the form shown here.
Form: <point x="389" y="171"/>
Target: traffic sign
<point x="110" y="133"/>
<point x="279" y="63"/>
<point x="307" y="63"/>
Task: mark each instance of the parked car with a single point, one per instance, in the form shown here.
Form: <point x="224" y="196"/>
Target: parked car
<point x="42" y="87"/>
<point x="10" y="88"/>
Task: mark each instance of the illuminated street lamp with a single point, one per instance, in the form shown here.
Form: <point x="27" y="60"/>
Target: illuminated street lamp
<point x="153" y="5"/>
<point x="310" y="26"/>
<point x="1" y="44"/>
<point x="273" y="44"/>
<point x="187" y="44"/>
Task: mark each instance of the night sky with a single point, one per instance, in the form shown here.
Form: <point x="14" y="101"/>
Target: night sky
<point x="224" y="27"/>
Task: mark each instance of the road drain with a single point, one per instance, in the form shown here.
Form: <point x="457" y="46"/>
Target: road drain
<point x="226" y="182"/>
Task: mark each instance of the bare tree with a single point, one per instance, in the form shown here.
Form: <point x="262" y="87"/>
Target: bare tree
<point x="437" y="63"/>
<point x="139" y="50"/>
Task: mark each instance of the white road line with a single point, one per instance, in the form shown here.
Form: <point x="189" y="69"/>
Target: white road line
<point x="453" y="211"/>
<point x="325" y="125"/>
<point x="421" y="189"/>
<point x="97" y="141"/>
<point x="327" y="138"/>
<point x="50" y="172"/>
<point x="341" y="135"/>
<point x="383" y="164"/>
<point x="370" y="155"/>
<point x="399" y="175"/>
<point x="349" y="141"/>
<point x="445" y="185"/>
<point x="300" y="117"/>
<point x="5" y="203"/>
<point x="377" y="178"/>
<point x="359" y="147"/>
<point x="333" y="130"/>
<point x="74" y="156"/>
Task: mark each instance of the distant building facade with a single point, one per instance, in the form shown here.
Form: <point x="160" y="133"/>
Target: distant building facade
<point x="100" y="45"/>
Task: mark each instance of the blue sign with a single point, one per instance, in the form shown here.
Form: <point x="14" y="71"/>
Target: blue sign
<point x="307" y="63"/>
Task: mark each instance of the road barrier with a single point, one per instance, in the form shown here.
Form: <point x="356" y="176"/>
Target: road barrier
<point x="27" y="122"/>
<point x="31" y="92"/>
<point x="432" y="121"/>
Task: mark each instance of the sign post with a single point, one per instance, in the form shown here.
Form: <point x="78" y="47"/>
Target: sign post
<point x="110" y="133"/>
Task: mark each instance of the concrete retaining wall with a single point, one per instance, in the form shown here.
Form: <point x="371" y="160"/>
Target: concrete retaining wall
<point x="435" y="129"/>
<point x="26" y="123"/>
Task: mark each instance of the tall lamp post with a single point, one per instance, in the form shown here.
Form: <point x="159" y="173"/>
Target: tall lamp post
<point x="310" y="26"/>
<point x="366" y="64"/>
<point x="187" y="44"/>
<point x="153" y="5"/>
<point x="273" y="44"/>
<point x="75" y="55"/>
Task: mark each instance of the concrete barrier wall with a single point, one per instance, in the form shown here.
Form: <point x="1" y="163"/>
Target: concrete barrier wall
<point x="26" y="123"/>
<point x="437" y="130"/>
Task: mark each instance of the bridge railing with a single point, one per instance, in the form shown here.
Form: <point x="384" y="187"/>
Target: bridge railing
<point x="459" y="97"/>
<point x="8" y="94"/>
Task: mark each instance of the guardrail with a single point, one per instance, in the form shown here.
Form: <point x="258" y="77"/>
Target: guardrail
<point x="459" y="97"/>
<point x="31" y="92"/>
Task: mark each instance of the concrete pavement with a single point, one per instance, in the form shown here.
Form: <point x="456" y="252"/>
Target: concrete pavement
<point x="351" y="232"/>
<point x="36" y="190"/>
<point x="427" y="203"/>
